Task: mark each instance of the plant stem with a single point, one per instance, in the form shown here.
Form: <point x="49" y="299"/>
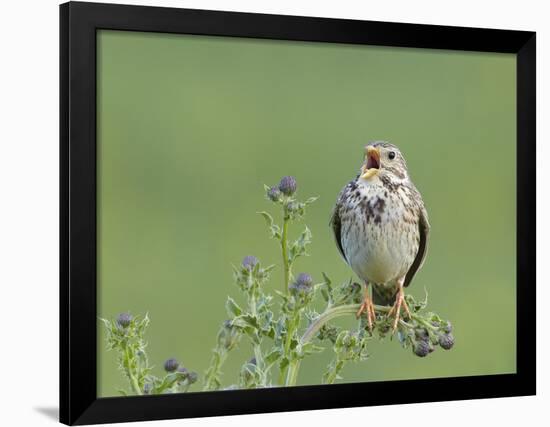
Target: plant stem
<point x="291" y="329"/>
<point x="133" y="380"/>
<point x="284" y="250"/>
<point x="135" y="384"/>
<point x="218" y="359"/>
<point x="282" y="375"/>
<point x="286" y="266"/>
<point x="292" y="372"/>
<point x="257" y="347"/>
<point x="424" y="322"/>
<point x="317" y="324"/>
<point x="325" y="317"/>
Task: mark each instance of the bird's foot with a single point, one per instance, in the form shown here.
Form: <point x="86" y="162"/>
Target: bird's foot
<point x="367" y="307"/>
<point x="399" y="304"/>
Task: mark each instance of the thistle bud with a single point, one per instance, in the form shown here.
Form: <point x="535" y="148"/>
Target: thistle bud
<point x="421" y="348"/>
<point x="292" y="207"/>
<point x="304" y="279"/>
<point x="124" y="319"/>
<point x="192" y="377"/>
<point x="287" y="186"/>
<point x="274" y="194"/>
<point x="446" y="341"/>
<point x="302" y="285"/>
<point x="171" y="365"/>
<point x="249" y="262"/>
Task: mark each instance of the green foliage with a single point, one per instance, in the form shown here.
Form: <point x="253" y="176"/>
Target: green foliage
<point x="348" y="346"/>
<point x="126" y="336"/>
<point x="283" y="333"/>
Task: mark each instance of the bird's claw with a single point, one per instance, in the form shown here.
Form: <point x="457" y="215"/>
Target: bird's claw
<point x="400" y="303"/>
<point x="367" y="307"/>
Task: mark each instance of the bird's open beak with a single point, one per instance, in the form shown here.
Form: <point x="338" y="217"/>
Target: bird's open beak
<point x="372" y="163"/>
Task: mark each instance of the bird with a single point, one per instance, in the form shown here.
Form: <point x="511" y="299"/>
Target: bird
<point x="381" y="229"/>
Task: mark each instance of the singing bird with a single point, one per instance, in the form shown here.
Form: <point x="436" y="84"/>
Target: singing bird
<point x="381" y="228"/>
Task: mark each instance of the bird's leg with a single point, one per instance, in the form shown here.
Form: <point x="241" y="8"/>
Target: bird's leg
<point x="399" y="304"/>
<point x="368" y="307"/>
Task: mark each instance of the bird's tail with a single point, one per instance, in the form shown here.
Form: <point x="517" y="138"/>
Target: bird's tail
<point x="382" y="296"/>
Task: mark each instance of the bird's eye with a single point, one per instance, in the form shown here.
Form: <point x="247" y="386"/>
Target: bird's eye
<point x="391" y="155"/>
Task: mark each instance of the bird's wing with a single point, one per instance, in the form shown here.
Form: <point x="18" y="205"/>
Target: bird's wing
<point x="336" y="225"/>
<point x="424" y="229"/>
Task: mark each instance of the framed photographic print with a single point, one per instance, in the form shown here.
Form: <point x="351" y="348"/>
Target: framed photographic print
<point x="274" y="213"/>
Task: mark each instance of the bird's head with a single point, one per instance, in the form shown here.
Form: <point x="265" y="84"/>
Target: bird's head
<point x="383" y="160"/>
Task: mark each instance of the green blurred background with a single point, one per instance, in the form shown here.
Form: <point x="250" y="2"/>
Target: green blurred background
<point x="191" y="127"/>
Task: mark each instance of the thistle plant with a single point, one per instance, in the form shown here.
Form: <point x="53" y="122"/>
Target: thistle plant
<point x="125" y="335"/>
<point x="284" y="328"/>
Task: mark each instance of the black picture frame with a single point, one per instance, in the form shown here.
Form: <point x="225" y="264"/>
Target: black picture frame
<point x="79" y="22"/>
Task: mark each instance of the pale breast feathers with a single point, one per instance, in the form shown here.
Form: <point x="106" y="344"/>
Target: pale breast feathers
<point x="382" y="233"/>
